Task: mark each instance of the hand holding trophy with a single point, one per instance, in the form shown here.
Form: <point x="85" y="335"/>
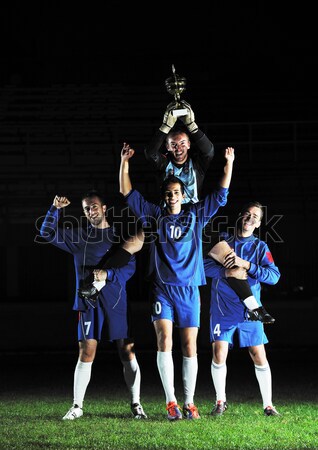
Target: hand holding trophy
<point x="189" y="119"/>
<point x="178" y="108"/>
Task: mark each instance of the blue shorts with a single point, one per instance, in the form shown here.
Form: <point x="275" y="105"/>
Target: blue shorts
<point x="109" y="317"/>
<point x="180" y="304"/>
<point x="249" y="333"/>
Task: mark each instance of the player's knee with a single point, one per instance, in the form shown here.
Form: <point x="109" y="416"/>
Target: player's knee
<point x="126" y="351"/>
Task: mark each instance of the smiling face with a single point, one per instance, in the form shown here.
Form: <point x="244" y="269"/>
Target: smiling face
<point x="178" y="144"/>
<point x="173" y="197"/>
<point x="94" y="211"/>
<point x="250" y="219"/>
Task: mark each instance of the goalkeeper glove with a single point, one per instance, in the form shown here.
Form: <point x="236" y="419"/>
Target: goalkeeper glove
<point x="189" y="119"/>
<point x="168" y="119"/>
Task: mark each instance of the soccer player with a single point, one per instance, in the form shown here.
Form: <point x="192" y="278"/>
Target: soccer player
<point x="225" y="255"/>
<point x="179" y="272"/>
<point x="228" y="316"/>
<point x="89" y="245"/>
<point x="190" y="165"/>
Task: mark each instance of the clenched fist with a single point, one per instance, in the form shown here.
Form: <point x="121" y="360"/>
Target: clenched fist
<point x="60" y="202"/>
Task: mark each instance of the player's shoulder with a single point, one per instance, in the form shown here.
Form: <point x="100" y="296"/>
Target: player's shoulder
<point x="258" y="241"/>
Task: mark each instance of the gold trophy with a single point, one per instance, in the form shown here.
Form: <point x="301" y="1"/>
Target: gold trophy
<point x="175" y="86"/>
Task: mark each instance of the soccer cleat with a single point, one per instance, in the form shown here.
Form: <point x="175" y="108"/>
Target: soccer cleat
<point x="260" y="314"/>
<point x="190" y="411"/>
<point x="73" y="413"/>
<point x="219" y="408"/>
<point x="271" y="411"/>
<point x="174" y="412"/>
<point x="88" y="292"/>
<point x="138" y="412"/>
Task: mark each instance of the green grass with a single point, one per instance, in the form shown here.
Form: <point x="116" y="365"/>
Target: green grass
<point x="32" y="424"/>
<point x="36" y="391"/>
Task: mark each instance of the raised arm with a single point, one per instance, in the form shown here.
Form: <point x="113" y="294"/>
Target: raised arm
<point x="59" y="236"/>
<point x="228" y="168"/>
<point x="125" y="185"/>
<point x="153" y="152"/>
<point x="205" y="148"/>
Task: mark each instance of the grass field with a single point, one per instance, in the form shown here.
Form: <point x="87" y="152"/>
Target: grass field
<point x="36" y="424"/>
<point x="36" y="391"/>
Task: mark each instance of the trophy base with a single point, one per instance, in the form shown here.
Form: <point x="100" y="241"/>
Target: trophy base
<point x="179" y="112"/>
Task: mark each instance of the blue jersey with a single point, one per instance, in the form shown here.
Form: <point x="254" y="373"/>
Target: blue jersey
<point x="88" y="247"/>
<point x="187" y="174"/>
<point x="177" y="254"/>
<point x="226" y="306"/>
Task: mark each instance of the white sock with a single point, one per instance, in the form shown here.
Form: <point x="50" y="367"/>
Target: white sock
<point x="250" y="302"/>
<point x="189" y="376"/>
<point x="132" y="377"/>
<point x="166" y="372"/>
<point x="264" y="378"/>
<point x="219" y="372"/>
<point x="82" y="376"/>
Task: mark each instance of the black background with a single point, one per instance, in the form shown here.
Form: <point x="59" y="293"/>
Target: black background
<point x="251" y="63"/>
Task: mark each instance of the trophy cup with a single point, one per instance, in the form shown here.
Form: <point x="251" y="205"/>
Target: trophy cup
<point x="175" y="86"/>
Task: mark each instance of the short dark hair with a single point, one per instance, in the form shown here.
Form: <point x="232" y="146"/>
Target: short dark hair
<point x="252" y="204"/>
<point x="168" y="180"/>
<point x="176" y="131"/>
<point x="94" y="193"/>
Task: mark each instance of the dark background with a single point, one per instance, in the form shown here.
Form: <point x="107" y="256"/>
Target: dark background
<point x="77" y="81"/>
